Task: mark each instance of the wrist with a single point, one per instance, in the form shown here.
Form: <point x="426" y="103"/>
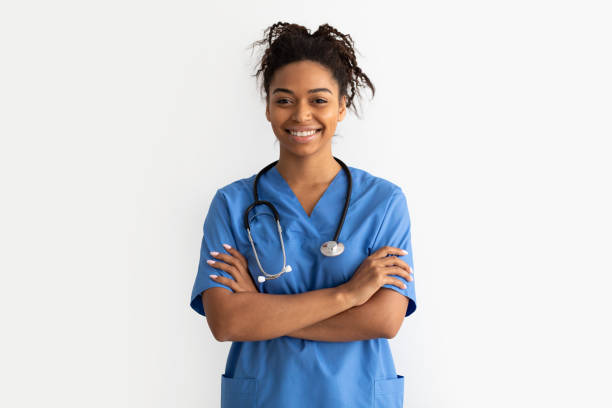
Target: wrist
<point x="345" y="296"/>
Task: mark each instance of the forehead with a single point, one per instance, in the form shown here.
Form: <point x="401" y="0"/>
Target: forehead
<point x="303" y="75"/>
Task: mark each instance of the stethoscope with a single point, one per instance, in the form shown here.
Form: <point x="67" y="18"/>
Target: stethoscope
<point x="329" y="248"/>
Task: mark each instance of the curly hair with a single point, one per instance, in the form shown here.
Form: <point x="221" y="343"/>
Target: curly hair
<point x="287" y="43"/>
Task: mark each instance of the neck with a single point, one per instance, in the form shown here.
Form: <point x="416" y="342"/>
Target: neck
<point x="309" y="170"/>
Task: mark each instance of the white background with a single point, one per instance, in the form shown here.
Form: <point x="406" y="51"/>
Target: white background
<point x="120" y="119"/>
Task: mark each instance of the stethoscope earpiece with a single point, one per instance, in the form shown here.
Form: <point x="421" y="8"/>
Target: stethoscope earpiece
<point x="262" y="279"/>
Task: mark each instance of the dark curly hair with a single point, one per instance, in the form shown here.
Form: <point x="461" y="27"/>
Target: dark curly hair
<point x="287" y="43"/>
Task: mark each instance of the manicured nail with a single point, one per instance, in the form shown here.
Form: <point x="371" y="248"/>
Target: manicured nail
<point x="404" y="285"/>
<point x="227" y="246"/>
<point x="210" y="262"/>
<point x="214" y="253"/>
<point x="213" y="276"/>
<point x="404" y="252"/>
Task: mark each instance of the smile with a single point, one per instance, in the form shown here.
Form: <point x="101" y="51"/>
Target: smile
<point x="303" y="134"/>
<point x="303" y="137"/>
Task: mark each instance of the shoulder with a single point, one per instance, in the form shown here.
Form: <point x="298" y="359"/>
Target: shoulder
<point x="237" y="190"/>
<point x="372" y="187"/>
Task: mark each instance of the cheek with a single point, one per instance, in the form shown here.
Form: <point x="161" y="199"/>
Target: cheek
<point x="278" y="129"/>
<point x="279" y="115"/>
<point x="330" y="119"/>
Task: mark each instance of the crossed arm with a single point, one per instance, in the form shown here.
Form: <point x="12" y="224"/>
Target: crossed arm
<point x="321" y="315"/>
<point x="381" y="316"/>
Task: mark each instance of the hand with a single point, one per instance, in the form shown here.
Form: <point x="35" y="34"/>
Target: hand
<point x="373" y="273"/>
<point x="236" y="265"/>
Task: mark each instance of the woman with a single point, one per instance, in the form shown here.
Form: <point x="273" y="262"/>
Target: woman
<point x="315" y="333"/>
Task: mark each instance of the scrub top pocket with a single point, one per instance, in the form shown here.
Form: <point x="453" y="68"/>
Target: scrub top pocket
<point x="238" y="392"/>
<point x="389" y="393"/>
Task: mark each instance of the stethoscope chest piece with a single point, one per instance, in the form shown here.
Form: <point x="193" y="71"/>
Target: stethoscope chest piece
<point x="332" y="248"/>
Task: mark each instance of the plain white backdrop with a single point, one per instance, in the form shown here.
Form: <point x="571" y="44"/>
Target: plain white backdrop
<point x="120" y="119"/>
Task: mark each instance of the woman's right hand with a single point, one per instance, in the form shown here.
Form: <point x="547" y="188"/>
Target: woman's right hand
<point x="374" y="272"/>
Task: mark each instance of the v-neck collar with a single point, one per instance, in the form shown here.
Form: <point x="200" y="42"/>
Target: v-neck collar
<point x="297" y="202"/>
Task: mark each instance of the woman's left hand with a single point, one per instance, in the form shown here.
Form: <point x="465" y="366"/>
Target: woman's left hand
<point x="236" y="265"/>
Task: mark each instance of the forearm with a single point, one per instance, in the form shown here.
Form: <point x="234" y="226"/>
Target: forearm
<point x="253" y="316"/>
<point x="362" y="322"/>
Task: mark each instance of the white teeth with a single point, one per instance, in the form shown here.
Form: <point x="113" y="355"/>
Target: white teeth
<point x="303" y="134"/>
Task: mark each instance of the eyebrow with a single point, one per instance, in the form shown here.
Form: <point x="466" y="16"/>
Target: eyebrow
<point x="310" y="91"/>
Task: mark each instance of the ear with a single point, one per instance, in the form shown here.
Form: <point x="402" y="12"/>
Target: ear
<point x="268" y="111"/>
<point x="342" y="109"/>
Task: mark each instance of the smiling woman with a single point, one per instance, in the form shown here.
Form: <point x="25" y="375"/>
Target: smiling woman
<point x="323" y="324"/>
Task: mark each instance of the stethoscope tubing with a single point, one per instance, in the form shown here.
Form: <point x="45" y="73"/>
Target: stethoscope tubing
<point x="257" y="201"/>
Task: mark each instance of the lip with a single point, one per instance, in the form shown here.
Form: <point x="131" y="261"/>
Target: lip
<point x="303" y="128"/>
<point x="304" y="139"/>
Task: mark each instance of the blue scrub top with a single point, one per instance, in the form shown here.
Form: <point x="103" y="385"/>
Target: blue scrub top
<point x="291" y="372"/>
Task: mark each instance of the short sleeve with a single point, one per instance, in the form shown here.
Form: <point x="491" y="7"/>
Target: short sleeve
<point x="217" y="232"/>
<point x="395" y="231"/>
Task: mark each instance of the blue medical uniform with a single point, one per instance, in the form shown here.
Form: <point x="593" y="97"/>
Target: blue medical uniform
<point x="292" y="372"/>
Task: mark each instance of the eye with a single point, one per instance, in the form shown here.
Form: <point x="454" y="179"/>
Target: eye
<point x="319" y="101"/>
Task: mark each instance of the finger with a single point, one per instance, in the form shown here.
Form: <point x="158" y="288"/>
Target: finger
<point x="394" y="260"/>
<point x="388" y="250"/>
<point x="240" y="272"/>
<point x="395" y="282"/>
<point x="228" y="259"/>
<point x="227" y="282"/>
<point x="396" y="270"/>
<point x="224" y="267"/>
<point x="237" y="254"/>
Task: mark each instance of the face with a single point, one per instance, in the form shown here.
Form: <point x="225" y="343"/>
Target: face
<point x="303" y="96"/>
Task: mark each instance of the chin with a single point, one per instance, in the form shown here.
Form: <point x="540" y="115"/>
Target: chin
<point x="303" y="151"/>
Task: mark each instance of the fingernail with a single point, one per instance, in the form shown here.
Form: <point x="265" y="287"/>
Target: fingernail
<point x="227" y="246"/>
<point x="210" y="262"/>
<point x="404" y="252"/>
<point x="214" y="253"/>
<point x="213" y="276"/>
<point x="404" y="285"/>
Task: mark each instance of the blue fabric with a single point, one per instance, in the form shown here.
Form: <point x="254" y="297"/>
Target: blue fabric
<point x="291" y="372"/>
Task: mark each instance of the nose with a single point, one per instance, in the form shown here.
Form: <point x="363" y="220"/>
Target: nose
<point x="301" y="112"/>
